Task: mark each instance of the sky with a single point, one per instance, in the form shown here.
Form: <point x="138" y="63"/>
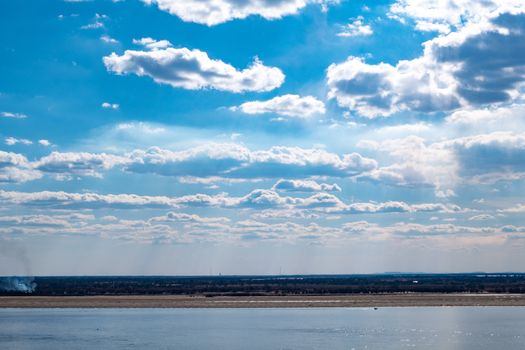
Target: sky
<point x="168" y="137"/>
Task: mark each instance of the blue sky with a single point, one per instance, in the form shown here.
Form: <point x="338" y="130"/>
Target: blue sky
<point x="249" y="137"/>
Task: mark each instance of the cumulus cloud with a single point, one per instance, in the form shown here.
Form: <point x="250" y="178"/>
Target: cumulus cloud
<point x="334" y="205"/>
<point x="356" y="28"/>
<point x="322" y="202"/>
<point x="483" y="158"/>
<point x="490" y="157"/>
<point x="488" y="60"/>
<point x="65" y="165"/>
<point x="213" y="12"/>
<point x="287" y="105"/>
<point x="382" y="89"/>
<point x="480" y="64"/>
<point x="304" y="186"/>
<point x="194" y="70"/>
<point x="16" y="168"/>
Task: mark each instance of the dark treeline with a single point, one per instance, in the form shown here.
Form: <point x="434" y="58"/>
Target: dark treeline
<point x="276" y="285"/>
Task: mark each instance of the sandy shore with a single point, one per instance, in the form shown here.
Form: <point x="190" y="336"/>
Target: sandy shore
<point x="167" y="301"/>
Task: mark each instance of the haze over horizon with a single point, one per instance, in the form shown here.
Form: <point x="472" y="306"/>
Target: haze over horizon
<point x="165" y="137"/>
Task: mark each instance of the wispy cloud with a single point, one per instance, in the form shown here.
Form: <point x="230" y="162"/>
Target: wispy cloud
<point x="13" y="115"/>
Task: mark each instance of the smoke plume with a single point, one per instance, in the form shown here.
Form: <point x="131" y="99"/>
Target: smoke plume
<point x="17" y="284"/>
<point x="18" y="258"/>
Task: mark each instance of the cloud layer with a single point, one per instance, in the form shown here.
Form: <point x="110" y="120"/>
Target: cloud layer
<point x="256" y="199"/>
<point x="225" y="160"/>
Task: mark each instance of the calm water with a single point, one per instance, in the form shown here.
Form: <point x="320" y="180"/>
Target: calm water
<point x="388" y="328"/>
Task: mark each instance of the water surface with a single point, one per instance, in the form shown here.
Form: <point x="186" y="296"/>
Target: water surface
<point x="232" y="329"/>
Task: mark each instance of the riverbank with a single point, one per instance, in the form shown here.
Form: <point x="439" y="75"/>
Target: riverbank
<point x="176" y="301"/>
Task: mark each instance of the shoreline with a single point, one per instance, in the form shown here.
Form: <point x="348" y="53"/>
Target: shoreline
<point x="180" y="301"/>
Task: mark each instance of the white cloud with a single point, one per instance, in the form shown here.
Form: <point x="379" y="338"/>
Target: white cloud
<point x="236" y="161"/>
<point x="262" y="198"/>
<point x="197" y="229"/>
<point x="194" y="70"/>
<point x="356" y="28"/>
<point x="184" y="217"/>
<point x="415" y="128"/>
<point x="386" y="207"/>
<point x="108" y="105"/>
<point x="213" y="12"/>
<point x="67" y="165"/>
<point x="98" y="22"/>
<point x="210" y="162"/>
<point x="415" y="163"/>
<point x="481" y="217"/>
<point x="287" y="105"/>
<point x="489" y="118"/>
<point x="152" y="44"/>
<point x="183" y="227"/>
<point x="483" y="158"/>
<point x="140" y="127"/>
<point x="304" y="186"/>
<point x="323" y="202"/>
<point x="44" y="142"/>
<point x="59" y="200"/>
<point x="478" y="65"/>
<point x="445" y="16"/>
<point x="284" y="213"/>
<point x="108" y="40"/>
<point x="488" y="158"/>
<point x="382" y="89"/>
<point x="519" y="208"/>
<point x="16" y="168"/>
<point x="256" y="199"/>
<point x="11" y="141"/>
<point x="13" y="115"/>
<point x="445" y="193"/>
<point x="34" y="220"/>
<point x="94" y="25"/>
